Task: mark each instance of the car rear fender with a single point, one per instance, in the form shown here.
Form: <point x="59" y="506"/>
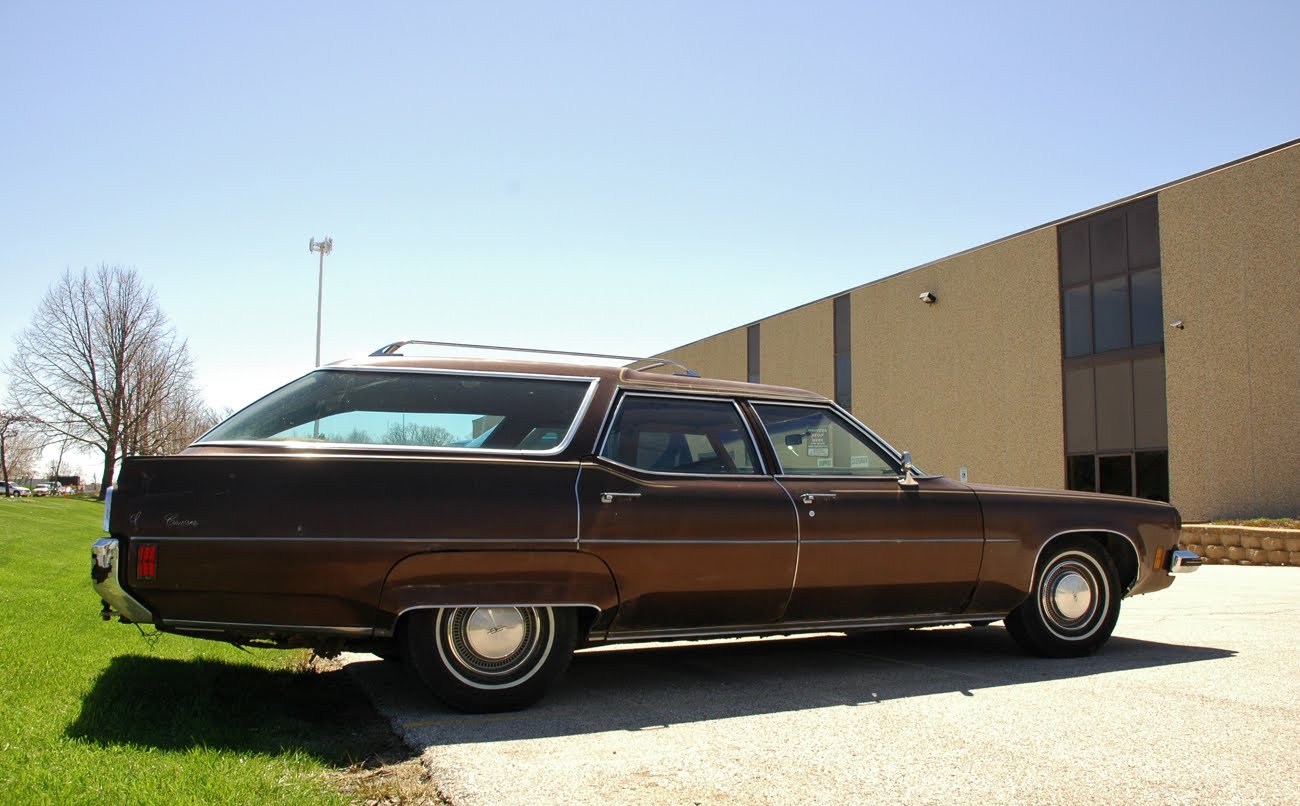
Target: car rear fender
<point x="477" y="578"/>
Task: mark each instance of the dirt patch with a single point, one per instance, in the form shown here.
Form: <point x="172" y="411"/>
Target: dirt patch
<point x="407" y="783"/>
<point x="391" y="773"/>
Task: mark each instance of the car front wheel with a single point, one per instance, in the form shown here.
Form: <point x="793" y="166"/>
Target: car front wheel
<point x="484" y="659"/>
<point x="1074" y="604"/>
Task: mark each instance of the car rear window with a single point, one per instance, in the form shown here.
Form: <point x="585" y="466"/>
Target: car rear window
<point x="414" y="410"/>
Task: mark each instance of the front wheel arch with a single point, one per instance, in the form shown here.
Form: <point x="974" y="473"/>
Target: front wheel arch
<point x="1121" y="548"/>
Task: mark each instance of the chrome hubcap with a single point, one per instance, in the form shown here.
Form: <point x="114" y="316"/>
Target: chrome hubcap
<point x="495" y="632"/>
<point x="494" y="647"/>
<point x="1072" y="596"/>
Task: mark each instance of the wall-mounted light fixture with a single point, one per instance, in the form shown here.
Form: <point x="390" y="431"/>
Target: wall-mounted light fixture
<point x="1177" y="324"/>
<point x="928" y="297"/>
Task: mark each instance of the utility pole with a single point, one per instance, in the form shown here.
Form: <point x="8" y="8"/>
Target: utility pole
<point x="324" y="246"/>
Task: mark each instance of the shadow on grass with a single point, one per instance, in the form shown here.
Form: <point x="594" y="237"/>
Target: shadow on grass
<point x="179" y="705"/>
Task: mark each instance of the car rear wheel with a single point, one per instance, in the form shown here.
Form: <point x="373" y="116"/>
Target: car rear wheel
<point x="1074" y="604"/>
<point x="483" y="659"/>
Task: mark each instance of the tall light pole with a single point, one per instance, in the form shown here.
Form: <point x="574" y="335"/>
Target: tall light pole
<point x="324" y="246"/>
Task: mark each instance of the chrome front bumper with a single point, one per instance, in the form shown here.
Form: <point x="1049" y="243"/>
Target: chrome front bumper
<point x="1184" y="562"/>
<point x="103" y="574"/>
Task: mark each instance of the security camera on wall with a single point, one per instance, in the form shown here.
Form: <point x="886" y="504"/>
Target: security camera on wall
<point x="928" y="298"/>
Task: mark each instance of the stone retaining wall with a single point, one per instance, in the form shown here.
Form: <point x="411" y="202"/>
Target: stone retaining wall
<point x="1242" y="545"/>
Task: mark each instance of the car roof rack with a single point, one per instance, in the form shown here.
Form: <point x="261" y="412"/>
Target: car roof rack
<point x="654" y="363"/>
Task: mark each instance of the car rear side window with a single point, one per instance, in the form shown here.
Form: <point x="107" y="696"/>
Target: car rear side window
<point x="677" y="435"/>
<point x="414" y="409"/>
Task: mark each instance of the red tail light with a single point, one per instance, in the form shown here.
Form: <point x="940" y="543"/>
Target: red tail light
<point x="146" y="560"/>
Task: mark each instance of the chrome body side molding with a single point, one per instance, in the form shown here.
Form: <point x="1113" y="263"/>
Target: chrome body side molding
<point x="795" y="627"/>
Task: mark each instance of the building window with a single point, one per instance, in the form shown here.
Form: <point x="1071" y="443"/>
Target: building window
<point x="752" y="353"/>
<point x="843" y="355"/>
<point x="1112" y="352"/>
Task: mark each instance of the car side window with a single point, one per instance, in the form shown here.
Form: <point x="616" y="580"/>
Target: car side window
<point x="675" y="435"/>
<point x="815" y="441"/>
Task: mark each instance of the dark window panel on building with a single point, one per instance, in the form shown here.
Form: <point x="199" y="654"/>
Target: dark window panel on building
<point x="1153" y="475"/>
<point x="1073" y="245"/>
<point x="1143" y="226"/>
<point x="1115" y="474"/>
<point x="1112" y="308"/>
<point x="844" y="380"/>
<point x="1080" y="412"/>
<point x="1110" y="314"/>
<point x="843" y="353"/>
<point x="1106" y="245"/>
<point x="1114" y="407"/>
<point x="752" y="353"/>
<point x="1150" y="411"/>
<point x="1076" y="309"/>
<point x="1148" y="313"/>
<point x="1081" y="473"/>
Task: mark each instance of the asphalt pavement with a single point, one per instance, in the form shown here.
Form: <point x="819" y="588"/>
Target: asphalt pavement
<point x="1196" y="699"/>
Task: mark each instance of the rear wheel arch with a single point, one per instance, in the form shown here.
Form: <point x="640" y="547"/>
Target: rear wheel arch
<point x="568" y="578"/>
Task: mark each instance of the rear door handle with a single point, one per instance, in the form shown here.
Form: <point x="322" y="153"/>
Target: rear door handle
<point x="810" y="498"/>
<point x="609" y="498"/>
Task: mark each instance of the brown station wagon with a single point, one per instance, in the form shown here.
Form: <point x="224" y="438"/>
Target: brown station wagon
<point x="484" y="518"/>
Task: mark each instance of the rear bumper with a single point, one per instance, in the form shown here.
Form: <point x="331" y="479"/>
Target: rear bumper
<point x="104" y="568"/>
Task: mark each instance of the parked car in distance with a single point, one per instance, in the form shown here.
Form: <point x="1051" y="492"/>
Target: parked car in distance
<point x="484" y="518"/>
<point x="41" y="490"/>
<point x="16" y="490"/>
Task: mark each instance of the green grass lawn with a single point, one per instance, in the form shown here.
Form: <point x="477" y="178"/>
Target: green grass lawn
<point x="92" y="711"/>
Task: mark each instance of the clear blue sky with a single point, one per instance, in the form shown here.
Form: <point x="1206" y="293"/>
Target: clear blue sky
<point x="615" y="177"/>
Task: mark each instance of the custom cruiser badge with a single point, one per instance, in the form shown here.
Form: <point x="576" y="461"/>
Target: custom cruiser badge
<point x="177" y="522"/>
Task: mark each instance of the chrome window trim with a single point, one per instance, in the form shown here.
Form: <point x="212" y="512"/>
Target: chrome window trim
<point x="579" y="415"/>
<point x="622" y="394"/>
<point x="853" y="422"/>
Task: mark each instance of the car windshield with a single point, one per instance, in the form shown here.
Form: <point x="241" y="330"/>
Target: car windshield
<point x="415" y="409"/>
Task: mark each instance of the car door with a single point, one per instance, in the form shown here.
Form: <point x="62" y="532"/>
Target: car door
<point x="868" y="546"/>
<point x="679" y="505"/>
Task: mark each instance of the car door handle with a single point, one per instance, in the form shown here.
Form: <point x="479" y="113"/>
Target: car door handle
<point x="608" y="498"/>
<point x="809" y="498"/>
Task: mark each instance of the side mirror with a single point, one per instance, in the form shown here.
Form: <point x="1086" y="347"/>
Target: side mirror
<point x="907" y="480"/>
<point x="793" y="440"/>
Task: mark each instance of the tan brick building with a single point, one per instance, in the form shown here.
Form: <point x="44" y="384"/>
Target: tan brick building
<point x="1150" y="346"/>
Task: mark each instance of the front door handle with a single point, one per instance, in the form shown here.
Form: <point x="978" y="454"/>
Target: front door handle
<point x="810" y="498"/>
<point x="608" y="498"/>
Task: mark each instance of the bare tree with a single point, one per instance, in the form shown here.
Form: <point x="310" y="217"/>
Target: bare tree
<point x="101" y="365"/>
<point x="10" y="435"/>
